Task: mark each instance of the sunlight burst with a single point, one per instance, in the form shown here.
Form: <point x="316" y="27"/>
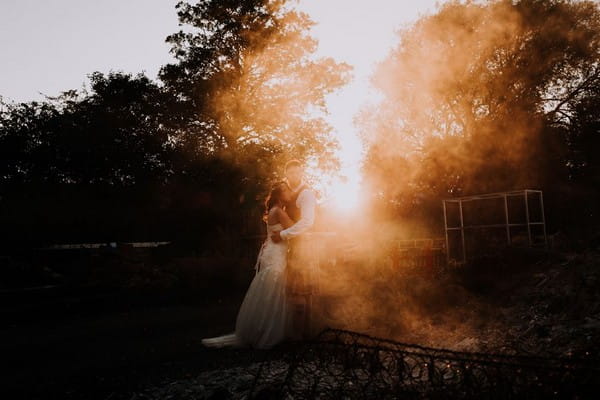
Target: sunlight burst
<point x="360" y="36"/>
<point x="345" y="196"/>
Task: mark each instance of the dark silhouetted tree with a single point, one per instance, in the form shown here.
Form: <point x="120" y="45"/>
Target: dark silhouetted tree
<point x="244" y="95"/>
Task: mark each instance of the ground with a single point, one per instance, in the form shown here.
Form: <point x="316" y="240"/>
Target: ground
<point x="113" y="352"/>
<point x="113" y="345"/>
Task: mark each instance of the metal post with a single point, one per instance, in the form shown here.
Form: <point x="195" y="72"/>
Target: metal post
<point x="543" y="220"/>
<point x="527" y="217"/>
<point x="446" y="231"/>
<point x="462" y="232"/>
<point x="508" y="241"/>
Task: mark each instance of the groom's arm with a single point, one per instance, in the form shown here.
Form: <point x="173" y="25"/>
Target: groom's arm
<point x="307" y="203"/>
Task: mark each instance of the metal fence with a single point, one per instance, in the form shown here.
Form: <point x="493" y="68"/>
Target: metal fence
<point x="427" y="255"/>
<point x="505" y="217"/>
<point x="342" y="364"/>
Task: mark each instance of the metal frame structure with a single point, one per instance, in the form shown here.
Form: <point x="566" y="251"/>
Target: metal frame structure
<point x="429" y="243"/>
<point x="420" y="253"/>
<point x="506" y="225"/>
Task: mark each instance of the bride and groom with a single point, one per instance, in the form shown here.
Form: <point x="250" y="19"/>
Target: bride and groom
<point x="277" y="305"/>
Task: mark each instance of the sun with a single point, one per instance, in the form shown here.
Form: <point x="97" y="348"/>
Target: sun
<point x="340" y="193"/>
<point x="360" y="35"/>
<point x="345" y="196"/>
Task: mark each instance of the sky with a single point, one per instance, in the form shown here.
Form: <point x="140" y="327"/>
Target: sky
<point x="51" y="46"/>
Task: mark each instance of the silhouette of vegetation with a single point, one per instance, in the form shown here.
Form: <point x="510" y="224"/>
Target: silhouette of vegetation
<point x="179" y="159"/>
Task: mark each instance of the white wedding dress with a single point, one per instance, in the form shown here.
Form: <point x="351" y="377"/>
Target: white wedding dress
<point x="263" y="317"/>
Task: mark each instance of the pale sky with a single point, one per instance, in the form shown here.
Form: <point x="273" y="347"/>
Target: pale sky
<point x="51" y="46"/>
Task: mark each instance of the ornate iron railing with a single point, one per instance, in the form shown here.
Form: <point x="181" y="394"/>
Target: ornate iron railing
<point x="342" y="364"/>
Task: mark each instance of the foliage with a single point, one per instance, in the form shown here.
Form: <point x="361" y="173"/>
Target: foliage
<point x="114" y="135"/>
<point x="246" y="71"/>
<point x="193" y="151"/>
<point x="484" y="96"/>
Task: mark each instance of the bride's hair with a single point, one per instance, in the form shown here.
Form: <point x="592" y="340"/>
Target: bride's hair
<point x="274" y="196"/>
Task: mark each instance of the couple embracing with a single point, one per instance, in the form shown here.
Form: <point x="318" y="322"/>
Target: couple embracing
<point x="278" y="303"/>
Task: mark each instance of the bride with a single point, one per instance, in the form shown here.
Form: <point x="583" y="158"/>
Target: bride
<point x="263" y="317"/>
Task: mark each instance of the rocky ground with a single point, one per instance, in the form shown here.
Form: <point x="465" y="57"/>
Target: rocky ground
<point x="547" y="307"/>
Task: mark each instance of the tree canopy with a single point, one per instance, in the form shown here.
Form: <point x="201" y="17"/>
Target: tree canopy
<point x="245" y="89"/>
<point x="484" y="96"/>
<point x="246" y="70"/>
<point x="243" y="95"/>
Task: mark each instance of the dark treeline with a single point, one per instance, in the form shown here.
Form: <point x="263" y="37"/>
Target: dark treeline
<point x="105" y="167"/>
<point x="186" y="157"/>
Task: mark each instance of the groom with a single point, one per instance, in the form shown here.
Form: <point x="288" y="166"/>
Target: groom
<point x="300" y="272"/>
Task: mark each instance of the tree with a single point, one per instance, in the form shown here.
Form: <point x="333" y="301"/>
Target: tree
<point x="243" y="95"/>
<point x="115" y="135"/>
<point x="473" y="95"/>
<point x="251" y="92"/>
